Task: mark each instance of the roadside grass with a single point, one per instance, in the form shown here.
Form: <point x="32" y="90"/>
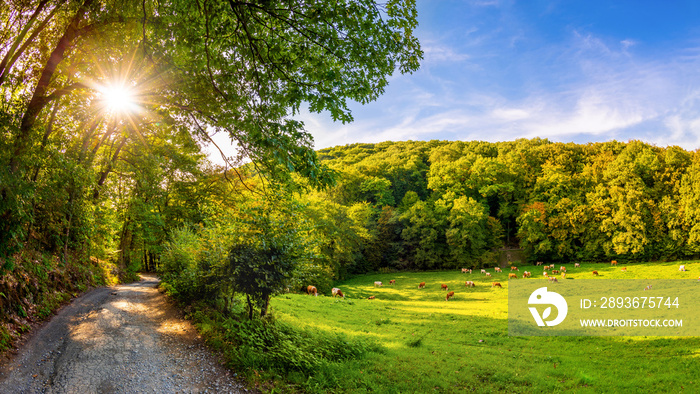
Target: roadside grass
<point x="463" y="345"/>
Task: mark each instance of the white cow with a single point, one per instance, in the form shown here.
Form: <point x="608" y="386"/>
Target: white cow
<point x="377" y="284"/>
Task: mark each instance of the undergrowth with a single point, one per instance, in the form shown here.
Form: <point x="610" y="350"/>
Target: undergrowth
<point x="266" y="350"/>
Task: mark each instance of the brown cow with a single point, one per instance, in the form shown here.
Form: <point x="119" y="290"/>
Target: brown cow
<point x="469" y="283"/>
<point x="497" y="269"/>
<point x="450" y="294"/>
<point x="421" y="285"/>
<point x="312" y="290"/>
<point x="595" y="273"/>
<point x="370" y="298"/>
<point x="614" y="262"/>
<point x="624" y="269"/>
<point x="444" y="286"/>
<point x="392" y="282"/>
<point x="512" y="276"/>
<point x="496" y="284"/>
<point x="513" y="268"/>
<point x="337" y="292"/>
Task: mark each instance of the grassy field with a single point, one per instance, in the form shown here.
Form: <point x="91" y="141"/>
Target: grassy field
<point x="431" y="345"/>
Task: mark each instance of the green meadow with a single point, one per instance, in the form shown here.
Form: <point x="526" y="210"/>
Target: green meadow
<point x="428" y="344"/>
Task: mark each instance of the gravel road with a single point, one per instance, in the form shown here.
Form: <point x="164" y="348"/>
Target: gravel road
<point x="123" y="339"/>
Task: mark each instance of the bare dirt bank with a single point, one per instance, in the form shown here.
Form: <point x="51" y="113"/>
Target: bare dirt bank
<point x="122" y="339"/>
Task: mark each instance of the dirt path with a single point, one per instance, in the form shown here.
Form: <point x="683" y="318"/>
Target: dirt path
<point x="124" y="339"/>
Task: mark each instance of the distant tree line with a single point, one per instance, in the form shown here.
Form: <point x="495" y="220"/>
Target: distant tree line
<point x="439" y="204"/>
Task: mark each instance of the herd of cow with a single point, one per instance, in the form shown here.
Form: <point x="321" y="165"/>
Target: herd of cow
<point x="311" y="290"/>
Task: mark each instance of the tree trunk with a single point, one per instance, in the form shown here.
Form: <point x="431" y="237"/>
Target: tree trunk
<point x="250" y="307"/>
<point x="266" y="305"/>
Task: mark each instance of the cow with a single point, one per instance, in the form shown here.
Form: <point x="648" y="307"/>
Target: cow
<point x="421" y="285"/>
<point x="647" y="288"/>
<point x="553" y="280"/>
<point x="539" y="263"/>
<point x="512" y="276"/>
<point x="469" y="283"/>
<point x="614" y="262"/>
<point x="562" y="269"/>
<point x="682" y="268"/>
<point x="450" y="294"/>
<point x="577" y="265"/>
<point x="312" y="290"/>
<point x="527" y="274"/>
<point x="563" y="275"/>
<point x="595" y="273"/>
<point x="497" y="269"/>
<point x="392" y="282"/>
<point x="483" y="271"/>
<point x="377" y="284"/>
<point x="513" y="268"/>
<point x="337" y="292"/>
<point x="370" y="297"/>
<point x="465" y="270"/>
<point x="545" y="274"/>
<point x="496" y="284"/>
<point x="488" y="274"/>
<point x="624" y="269"/>
<point x="443" y="286"/>
<point x="555" y="271"/>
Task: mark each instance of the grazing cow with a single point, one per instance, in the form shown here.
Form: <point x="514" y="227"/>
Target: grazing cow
<point x="513" y="276"/>
<point x="682" y="268"/>
<point x="496" y="284"/>
<point x="370" y="297"/>
<point x="513" y="268"/>
<point x="392" y="282"/>
<point x="377" y="284"/>
<point x="469" y="283"/>
<point x="595" y="273"/>
<point x="450" y="294"/>
<point x="488" y="274"/>
<point x="483" y="271"/>
<point x="555" y="271"/>
<point x="444" y="286"/>
<point x="337" y="292"/>
<point x="312" y="290"/>
<point x="562" y="269"/>
<point x="545" y="274"/>
<point x="421" y="285"/>
<point x="553" y="280"/>
<point x="624" y="269"/>
<point x="465" y="270"/>
<point x="614" y="262"/>
<point x="577" y="265"/>
<point x="497" y="269"/>
<point x="527" y="274"/>
<point x="539" y="263"/>
<point x="647" y="288"/>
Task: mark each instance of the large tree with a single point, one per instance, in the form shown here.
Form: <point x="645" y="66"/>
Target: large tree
<point x="101" y="77"/>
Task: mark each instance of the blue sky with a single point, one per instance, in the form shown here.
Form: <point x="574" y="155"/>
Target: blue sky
<point x="578" y="71"/>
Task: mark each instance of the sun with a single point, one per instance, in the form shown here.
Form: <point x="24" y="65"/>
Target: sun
<point x="120" y="99"/>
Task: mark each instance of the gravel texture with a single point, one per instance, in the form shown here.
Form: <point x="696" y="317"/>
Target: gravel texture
<point x="123" y="339"/>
